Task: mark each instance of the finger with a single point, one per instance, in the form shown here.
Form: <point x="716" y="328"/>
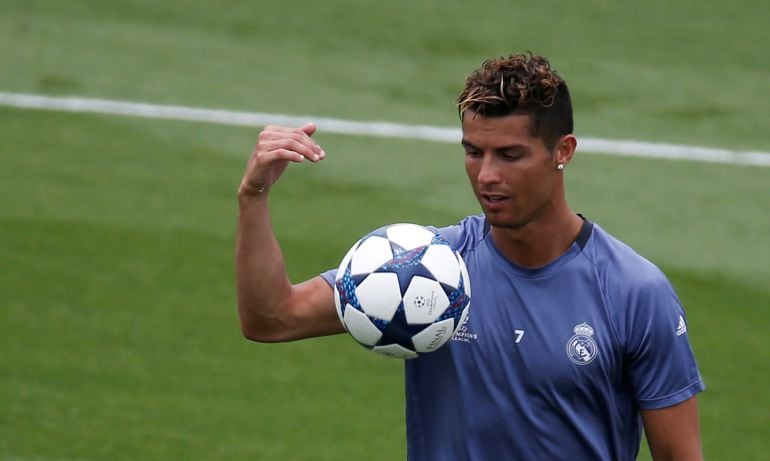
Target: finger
<point x="280" y="128"/>
<point x="304" y="147"/>
<point x="309" y="128"/>
<point x="284" y="132"/>
<point x="289" y="139"/>
<point x="280" y="154"/>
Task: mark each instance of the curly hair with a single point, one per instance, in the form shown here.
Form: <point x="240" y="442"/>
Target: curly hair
<point x="521" y="84"/>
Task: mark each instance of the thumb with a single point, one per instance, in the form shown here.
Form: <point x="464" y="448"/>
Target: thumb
<point x="309" y="128"/>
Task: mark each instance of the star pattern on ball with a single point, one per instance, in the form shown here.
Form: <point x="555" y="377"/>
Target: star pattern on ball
<point x="346" y="287"/>
<point x="406" y="264"/>
<point x="404" y="298"/>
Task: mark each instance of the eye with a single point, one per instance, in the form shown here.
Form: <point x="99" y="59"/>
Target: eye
<point x="472" y="153"/>
<point x="510" y="156"/>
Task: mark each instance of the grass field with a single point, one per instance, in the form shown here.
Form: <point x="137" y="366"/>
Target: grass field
<point x="119" y="333"/>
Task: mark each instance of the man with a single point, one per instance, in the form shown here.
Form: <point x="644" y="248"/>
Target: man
<point x="573" y="342"/>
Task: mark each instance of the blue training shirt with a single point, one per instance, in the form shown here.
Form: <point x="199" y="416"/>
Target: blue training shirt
<point x="554" y="362"/>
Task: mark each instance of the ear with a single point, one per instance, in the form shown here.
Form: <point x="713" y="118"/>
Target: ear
<point x="565" y="149"/>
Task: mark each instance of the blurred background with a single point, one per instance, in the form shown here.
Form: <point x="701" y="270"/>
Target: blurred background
<point x="119" y="337"/>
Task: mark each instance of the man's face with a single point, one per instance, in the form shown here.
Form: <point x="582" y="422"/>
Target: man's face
<point x="511" y="172"/>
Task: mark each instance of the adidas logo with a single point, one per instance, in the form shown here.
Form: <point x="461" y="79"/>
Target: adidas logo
<point x="682" y="327"/>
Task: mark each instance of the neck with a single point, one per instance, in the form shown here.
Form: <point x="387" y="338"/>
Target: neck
<point x="540" y="241"/>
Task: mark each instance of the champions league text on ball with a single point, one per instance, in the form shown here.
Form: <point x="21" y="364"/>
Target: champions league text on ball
<point x="402" y="291"/>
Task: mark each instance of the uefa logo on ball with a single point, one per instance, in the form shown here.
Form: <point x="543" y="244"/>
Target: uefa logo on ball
<point x="402" y="291"/>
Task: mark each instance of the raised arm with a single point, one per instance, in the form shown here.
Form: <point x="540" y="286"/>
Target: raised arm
<point x="673" y="433"/>
<point x="270" y="308"/>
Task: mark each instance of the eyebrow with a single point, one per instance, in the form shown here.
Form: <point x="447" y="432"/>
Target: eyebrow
<point x="496" y="149"/>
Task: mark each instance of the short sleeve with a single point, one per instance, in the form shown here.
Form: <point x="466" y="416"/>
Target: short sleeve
<point x="329" y="276"/>
<point x="465" y="235"/>
<point x="658" y="360"/>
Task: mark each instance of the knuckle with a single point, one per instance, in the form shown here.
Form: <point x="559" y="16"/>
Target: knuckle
<point x="295" y="136"/>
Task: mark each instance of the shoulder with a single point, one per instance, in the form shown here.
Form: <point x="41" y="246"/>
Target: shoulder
<point x="466" y="234"/>
<point x="639" y="296"/>
<point x="620" y="266"/>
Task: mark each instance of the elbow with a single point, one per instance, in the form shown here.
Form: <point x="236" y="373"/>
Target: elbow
<point x="263" y="329"/>
<point x="259" y="334"/>
<point x="256" y="336"/>
<point x="253" y="334"/>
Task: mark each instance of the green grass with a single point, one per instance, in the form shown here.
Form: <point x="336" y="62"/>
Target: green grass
<point x="689" y="72"/>
<point x="132" y="352"/>
<point x="122" y="340"/>
<point x="120" y="337"/>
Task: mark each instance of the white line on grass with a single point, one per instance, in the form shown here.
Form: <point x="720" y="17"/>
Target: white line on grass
<point x="380" y="129"/>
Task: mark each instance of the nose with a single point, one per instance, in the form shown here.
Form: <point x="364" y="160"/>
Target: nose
<point x="489" y="171"/>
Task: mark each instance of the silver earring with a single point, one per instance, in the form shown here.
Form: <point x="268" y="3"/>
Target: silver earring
<point x="560" y="166"/>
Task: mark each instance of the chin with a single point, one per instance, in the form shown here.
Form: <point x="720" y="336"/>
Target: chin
<point x="504" y="222"/>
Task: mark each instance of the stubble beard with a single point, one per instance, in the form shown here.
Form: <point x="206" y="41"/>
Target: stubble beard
<point x="513" y="218"/>
<point x="501" y="223"/>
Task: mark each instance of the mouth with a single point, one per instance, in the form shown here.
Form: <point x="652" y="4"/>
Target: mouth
<point x="492" y="200"/>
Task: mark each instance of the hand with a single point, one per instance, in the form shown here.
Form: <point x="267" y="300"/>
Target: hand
<point x="276" y="147"/>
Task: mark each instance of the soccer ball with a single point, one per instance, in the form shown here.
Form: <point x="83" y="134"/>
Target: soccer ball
<point x="402" y="291"/>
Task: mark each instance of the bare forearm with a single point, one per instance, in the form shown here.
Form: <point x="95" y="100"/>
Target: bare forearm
<point x="271" y="308"/>
<point x="263" y="288"/>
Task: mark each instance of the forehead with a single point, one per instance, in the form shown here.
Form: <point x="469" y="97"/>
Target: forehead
<point x="491" y="132"/>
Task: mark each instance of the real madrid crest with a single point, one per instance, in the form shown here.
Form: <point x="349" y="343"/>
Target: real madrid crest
<point x="581" y="348"/>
